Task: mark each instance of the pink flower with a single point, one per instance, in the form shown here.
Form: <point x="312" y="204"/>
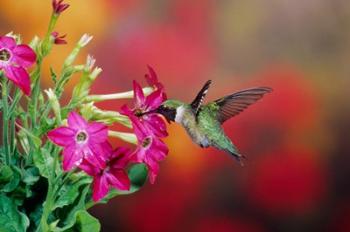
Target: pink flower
<point x="58" y="6"/>
<point x="81" y="140"/>
<point x="150" y="149"/>
<point x="58" y="39"/>
<point x="13" y="61"/>
<point x="142" y="104"/>
<point x="113" y="174"/>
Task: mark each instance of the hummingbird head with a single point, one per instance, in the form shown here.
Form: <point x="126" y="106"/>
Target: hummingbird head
<point x="168" y="109"/>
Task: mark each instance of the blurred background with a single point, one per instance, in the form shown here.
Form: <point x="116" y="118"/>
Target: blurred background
<point x="296" y="140"/>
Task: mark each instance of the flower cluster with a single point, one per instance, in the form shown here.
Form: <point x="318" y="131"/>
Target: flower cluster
<point x="148" y="126"/>
<point x="85" y="145"/>
<point x="62" y="149"/>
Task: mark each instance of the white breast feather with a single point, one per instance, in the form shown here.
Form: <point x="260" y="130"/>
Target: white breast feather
<point x="179" y="114"/>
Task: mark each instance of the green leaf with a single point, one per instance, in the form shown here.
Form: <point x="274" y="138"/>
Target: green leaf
<point x="46" y="125"/>
<point x="35" y="217"/>
<point x="31" y="175"/>
<point x="36" y="140"/>
<point x="69" y="192"/>
<point x="86" y="223"/>
<point x="11" y="220"/>
<point x="69" y="216"/>
<point x="6" y="174"/>
<point x="15" y="179"/>
<point x="44" y="162"/>
<point x="53" y="75"/>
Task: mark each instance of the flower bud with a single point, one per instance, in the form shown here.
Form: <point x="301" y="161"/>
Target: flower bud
<point x="54" y="104"/>
<point x="34" y="43"/>
<point x="57" y="39"/>
<point x="84" y="40"/>
<point x="58" y="6"/>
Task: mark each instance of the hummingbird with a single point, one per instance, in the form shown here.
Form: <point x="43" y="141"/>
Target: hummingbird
<point x="203" y="123"/>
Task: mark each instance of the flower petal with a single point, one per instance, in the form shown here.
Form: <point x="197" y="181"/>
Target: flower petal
<point x="139" y="97"/>
<point x="139" y="129"/>
<point x="158" y="150"/>
<point x="126" y="111"/>
<point x="76" y="121"/>
<point x="62" y="136"/>
<point x="138" y="156"/>
<point x="98" y="132"/>
<point x="118" y="179"/>
<point x="154" y="100"/>
<point x="96" y="154"/>
<point x="153" y="169"/>
<point x="20" y="77"/>
<point x="71" y="157"/>
<point x="155" y="124"/>
<point x="88" y="168"/>
<point x="151" y="78"/>
<point x="7" y="42"/>
<point x="120" y="158"/>
<point x="24" y="55"/>
<point x="100" y="188"/>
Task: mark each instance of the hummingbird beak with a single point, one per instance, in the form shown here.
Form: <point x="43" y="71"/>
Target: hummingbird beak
<point x="160" y="110"/>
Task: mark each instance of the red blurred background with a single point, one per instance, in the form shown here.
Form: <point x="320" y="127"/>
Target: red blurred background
<point x="296" y="140"/>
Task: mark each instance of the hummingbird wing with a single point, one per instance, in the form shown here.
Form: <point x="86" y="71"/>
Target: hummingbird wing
<point x="198" y="101"/>
<point x="231" y="105"/>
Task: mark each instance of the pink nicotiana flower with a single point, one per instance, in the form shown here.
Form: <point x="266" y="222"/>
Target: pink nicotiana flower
<point x="14" y="59"/>
<point x="143" y="105"/>
<point x="81" y="140"/>
<point x="113" y="174"/>
<point x="58" y="39"/>
<point x="58" y="6"/>
<point x="150" y="148"/>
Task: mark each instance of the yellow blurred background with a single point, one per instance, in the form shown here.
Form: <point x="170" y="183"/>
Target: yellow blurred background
<point x="296" y="140"/>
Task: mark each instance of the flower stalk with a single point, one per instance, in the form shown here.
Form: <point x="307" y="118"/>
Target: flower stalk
<point x="5" y="120"/>
<point x="116" y="96"/>
<point x="127" y="137"/>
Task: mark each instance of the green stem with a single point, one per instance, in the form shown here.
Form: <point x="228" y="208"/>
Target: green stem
<point x="5" y="121"/>
<point x="17" y="97"/>
<point x="47" y="206"/>
<point x="35" y="94"/>
<point x="44" y="50"/>
<point x="50" y="197"/>
<point x="89" y="204"/>
<point x="13" y="134"/>
<point x="11" y="112"/>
